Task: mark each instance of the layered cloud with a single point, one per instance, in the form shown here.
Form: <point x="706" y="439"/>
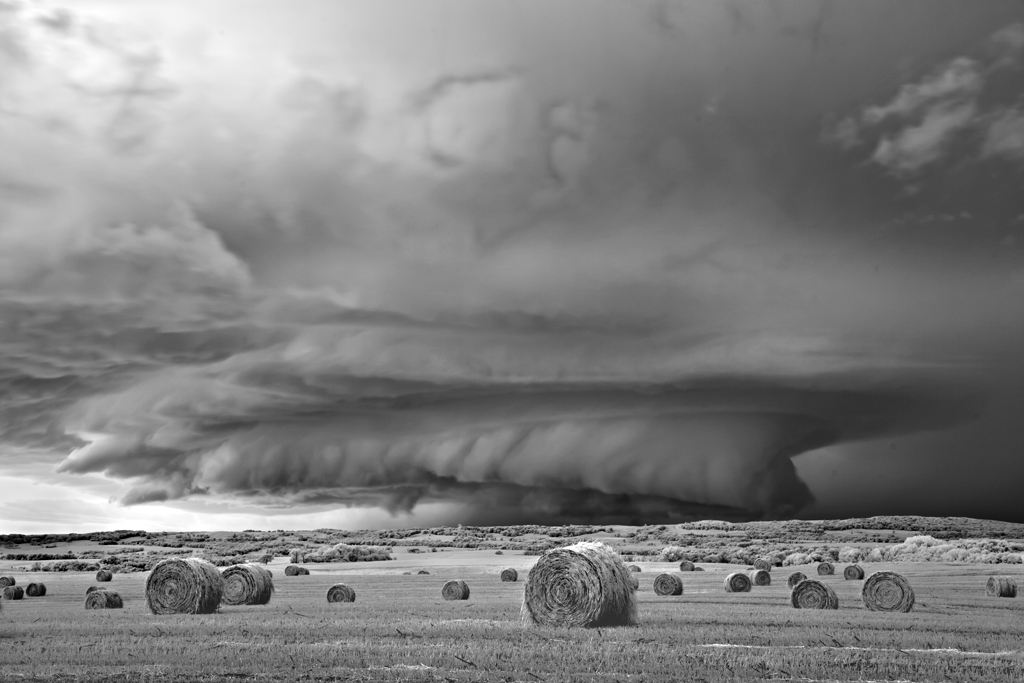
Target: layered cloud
<point x="305" y="263"/>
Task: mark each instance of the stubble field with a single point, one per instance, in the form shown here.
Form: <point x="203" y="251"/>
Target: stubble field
<point x="400" y="629"/>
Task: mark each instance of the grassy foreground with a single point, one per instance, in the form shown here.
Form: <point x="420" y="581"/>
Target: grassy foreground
<point x="400" y="629"/>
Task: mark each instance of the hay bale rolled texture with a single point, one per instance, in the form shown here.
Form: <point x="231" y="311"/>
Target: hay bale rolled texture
<point x="813" y="594"/>
<point x="826" y="569"/>
<point x="184" y="586"/>
<point x="103" y="598"/>
<point x="686" y="566"/>
<point x="295" y="570"/>
<point x="762" y="563"/>
<point x="668" y="584"/>
<point x="6" y="581"/>
<point x="795" y="578"/>
<point x="1001" y="587"/>
<point x="247" y="584"/>
<point x="737" y="582"/>
<point x="585" y="584"/>
<point x="339" y="592"/>
<point x="634" y="568"/>
<point x="853" y="572"/>
<point x="760" y="577"/>
<point x="35" y="590"/>
<point x="104" y="575"/>
<point x="887" y="592"/>
<point x="509" y="574"/>
<point x="455" y="590"/>
<point x="13" y="593"/>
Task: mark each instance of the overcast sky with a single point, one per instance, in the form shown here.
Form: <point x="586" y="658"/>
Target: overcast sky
<point x="328" y="263"/>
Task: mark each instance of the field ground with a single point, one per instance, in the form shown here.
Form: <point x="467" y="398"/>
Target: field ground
<point x="400" y="629"/>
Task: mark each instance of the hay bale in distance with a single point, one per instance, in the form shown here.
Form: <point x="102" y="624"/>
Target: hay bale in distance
<point x="795" y="578"/>
<point x="498" y="552"/>
<point x="634" y="568"/>
<point x="813" y="594"/>
<point x="295" y="570"/>
<point x="887" y="592"/>
<point x="339" y="592"/>
<point x="184" y="586"/>
<point x="586" y="584"/>
<point x="1001" y="587"/>
<point x="737" y="582"/>
<point x="509" y="574"/>
<point x="760" y="577"/>
<point x="35" y="590"/>
<point x="686" y="566"/>
<point x="103" y="598"/>
<point x="104" y="575"/>
<point x="247" y="584"/>
<point x="455" y="590"/>
<point x="6" y="581"/>
<point x="13" y="593"/>
<point x="762" y="563"/>
<point x="853" y="572"/>
<point x="668" y="584"/>
<point x="423" y="571"/>
<point x="826" y="569"/>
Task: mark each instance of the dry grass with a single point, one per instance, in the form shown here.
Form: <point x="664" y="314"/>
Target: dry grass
<point x="184" y="586"/>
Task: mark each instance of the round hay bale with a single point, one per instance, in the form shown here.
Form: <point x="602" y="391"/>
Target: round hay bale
<point x="760" y="577"/>
<point x="887" y="592"/>
<point x="295" y="570"/>
<point x="6" y="581"/>
<point x="686" y="566"/>
<point x="853" y="572"/>
<point x="668" y="584"/>
<point x="1001" y="587"/>
<point x="737" y="582"/>
<point x="813" y="594"/>
<point x="423" y="571"/>
<point x="35" y="590"/>
<point x="247" y="584"/>
<point x="184" y="586"/>
<point x="339" y="592"/>
<point x="498" y="552"/>
<point x="509" y="574"/>
<point x="585" y="584"/>
<point x="795" y="578"/>
<point x="698" y="569"/>
<point x="104" y="575"/>
<point x="455" y="590"/>
<point x="103" y="598"/>
<point x="634" y="568"/>
<point x="13" y="593"/>
<point x="763" y="564"/>
<point x="826" y="569"/>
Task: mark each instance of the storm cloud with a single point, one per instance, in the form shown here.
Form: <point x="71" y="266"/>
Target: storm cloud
<point x="541" y="269"/>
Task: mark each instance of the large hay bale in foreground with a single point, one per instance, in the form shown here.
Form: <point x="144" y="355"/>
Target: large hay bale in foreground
<point x="813" y="594"/>
<point x="585" y="584"/>
<point x="668" y="584"/>
<point x="854" y="572"/>
<point x="455" y="590"/>
<point x="795" y="578"/>
<point x="184" y="586"/>
<point x="887" y="592"/>
<point x="686" y="566"/>
<point x="760" y="577"/>
<point x="737" y="582"/>
<point x="1001" y="587"/>
<point x="104" y="575"/>
<point x="13" y="593"/>
<point x="509" y="574"/>
<point x="247" y="584"/>
<point x="762" y="563"/>
<point x="339" y="592"/>
<point x="103" y="598"/>
<point x="35" y="590"/>
<point x="6" y="581"/>
<point x="826" y="569"/>
<point x="295" y="570"/>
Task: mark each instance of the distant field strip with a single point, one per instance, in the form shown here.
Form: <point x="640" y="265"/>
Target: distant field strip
<point x="936" y="651"/>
